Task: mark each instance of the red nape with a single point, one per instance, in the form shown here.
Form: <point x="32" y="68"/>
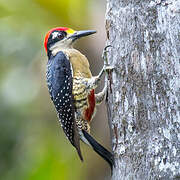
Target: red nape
<point x="49" y="32"/>
<point x="90" y="110"/>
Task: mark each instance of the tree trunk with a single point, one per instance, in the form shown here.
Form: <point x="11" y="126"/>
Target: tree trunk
<point x="144" y="88"/>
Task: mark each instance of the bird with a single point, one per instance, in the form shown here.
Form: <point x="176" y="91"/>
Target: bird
<point x="72" y="88"/>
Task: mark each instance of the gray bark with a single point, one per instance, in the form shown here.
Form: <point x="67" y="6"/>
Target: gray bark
<point x="144" y="89"/>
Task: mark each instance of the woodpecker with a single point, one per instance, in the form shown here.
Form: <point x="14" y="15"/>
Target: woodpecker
<point x="72" y="88"/>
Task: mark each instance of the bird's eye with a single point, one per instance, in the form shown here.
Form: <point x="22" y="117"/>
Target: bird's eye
<point x="61" y="35"/>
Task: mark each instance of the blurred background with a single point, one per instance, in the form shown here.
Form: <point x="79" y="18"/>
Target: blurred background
<point x="32" y="144"/>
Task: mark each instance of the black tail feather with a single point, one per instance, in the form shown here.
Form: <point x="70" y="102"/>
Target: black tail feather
<point x="104" y="153"/>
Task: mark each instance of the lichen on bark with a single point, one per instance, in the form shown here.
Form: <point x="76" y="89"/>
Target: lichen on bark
<point x="144" y="102"/>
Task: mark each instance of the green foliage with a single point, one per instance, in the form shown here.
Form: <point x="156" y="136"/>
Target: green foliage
<point x="3" y="11"/>
<point x="31" y="145"/>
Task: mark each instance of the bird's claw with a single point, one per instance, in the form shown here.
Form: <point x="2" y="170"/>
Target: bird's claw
<point x="105" y="51"/>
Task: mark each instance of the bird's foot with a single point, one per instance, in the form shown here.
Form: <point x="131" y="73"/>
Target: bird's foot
<point x="104" y="54"/>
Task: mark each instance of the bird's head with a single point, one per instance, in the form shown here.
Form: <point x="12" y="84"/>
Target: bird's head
<point x="63" y="37"/>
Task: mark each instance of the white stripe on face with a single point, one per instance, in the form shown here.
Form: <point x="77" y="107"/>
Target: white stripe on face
<point x="54" y="35"/>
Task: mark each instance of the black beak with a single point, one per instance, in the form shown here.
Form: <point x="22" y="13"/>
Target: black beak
<point x="79" y="34"/>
